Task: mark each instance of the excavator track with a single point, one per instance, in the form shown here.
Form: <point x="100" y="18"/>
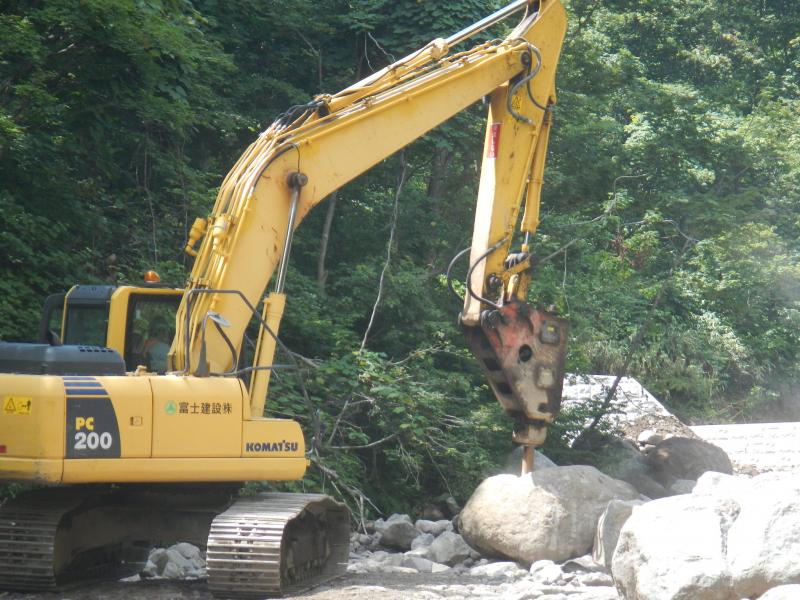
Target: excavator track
<point x="39" y="549"/>
<point x="257" y="546"/>
<point x="276" y="543"/>
<point x="27" y="541"/>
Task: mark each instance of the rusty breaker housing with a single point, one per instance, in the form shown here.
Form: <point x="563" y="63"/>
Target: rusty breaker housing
<point x="522" y="350"/>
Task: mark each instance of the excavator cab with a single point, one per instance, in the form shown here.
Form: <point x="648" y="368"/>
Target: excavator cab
<point x="136" y="321"/>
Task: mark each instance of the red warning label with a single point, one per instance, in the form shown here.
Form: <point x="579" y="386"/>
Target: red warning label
<point x="494" y="140"/>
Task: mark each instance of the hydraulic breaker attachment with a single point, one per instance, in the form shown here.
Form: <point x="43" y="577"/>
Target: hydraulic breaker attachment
<point x="521" y="351"/>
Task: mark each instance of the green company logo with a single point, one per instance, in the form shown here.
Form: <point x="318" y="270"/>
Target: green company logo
<point x="170" y="407"/>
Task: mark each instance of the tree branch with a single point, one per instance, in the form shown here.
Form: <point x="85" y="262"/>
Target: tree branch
<point x="400" y="183"/>
<point x="365" y="446"/>
<point x="359" y="497"/>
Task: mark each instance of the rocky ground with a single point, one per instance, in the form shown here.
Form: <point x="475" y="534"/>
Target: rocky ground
<point x="383" y="586"/>
<point x="499" y="580"/>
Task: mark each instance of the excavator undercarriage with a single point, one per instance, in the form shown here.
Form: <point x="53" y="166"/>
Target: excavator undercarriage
<point x="257" y="546"/>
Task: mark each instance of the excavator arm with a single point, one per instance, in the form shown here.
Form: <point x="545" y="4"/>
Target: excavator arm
<point x="314" y="149"/>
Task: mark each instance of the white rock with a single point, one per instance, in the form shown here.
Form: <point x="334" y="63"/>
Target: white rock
<point x="595" y="579"/>
<point x="546" y="572"/>
<point x="731" y="538"/>
<point x="150" y="569"/>
<point x="594" y="593"/>
<point x="175" y="556"/>
<point x="449" y="548"/>
<point x="509" y="570"/>
<point x="188" y="551"/>
<point x="433" y="527"/>
<point x="782" y="592"/>
<point x="373" y="566"/>
<point x="439" y="568"/>
<point x="673" y="549"/>
<point x="608" y="527"/>
<point x="393" y="569"/>
<point x="421" y="551"/>
<point x="379" y="555"/>
<point x="764" y="541"/>
<point x="426" y="595"/>
<point x="423" y="540"/>
<point x="172" y="571"/>
<point x="721" y="485"/>
<point x="421" y="565"/>
<point x="356" y="568"/>
<point x="197" y="574"/>
<point x="158" y="556"/>
<point x="395" y="560"/>
<point x="523" y="590"/>
<point x="549" y="514"/>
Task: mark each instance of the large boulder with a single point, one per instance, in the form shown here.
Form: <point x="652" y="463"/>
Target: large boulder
<point x="731" y="538"/>
<point x="684" y="458"/>
<point x="608" y="528"/>
<point x="673" y="549"/>
<point x="549" y="514"/>
<point x="764" y="541"/>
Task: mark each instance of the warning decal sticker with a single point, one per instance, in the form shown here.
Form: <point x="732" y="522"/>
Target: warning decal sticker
<point x="17" y="405"/>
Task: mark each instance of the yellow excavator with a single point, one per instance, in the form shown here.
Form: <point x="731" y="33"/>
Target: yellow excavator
<point x="138" y="415"/>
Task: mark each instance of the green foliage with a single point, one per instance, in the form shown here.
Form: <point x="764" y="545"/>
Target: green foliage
<point x="435" y="429"/>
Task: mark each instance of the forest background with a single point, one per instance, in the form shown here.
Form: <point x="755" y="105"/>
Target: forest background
<point x="670" y="205"/>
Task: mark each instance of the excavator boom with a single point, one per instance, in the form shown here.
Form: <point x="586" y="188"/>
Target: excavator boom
<point x="335" y="138"/>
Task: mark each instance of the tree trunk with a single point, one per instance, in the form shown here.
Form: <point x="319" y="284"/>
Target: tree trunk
<point x="439" y="166"/>
<point x="322" y="274"/>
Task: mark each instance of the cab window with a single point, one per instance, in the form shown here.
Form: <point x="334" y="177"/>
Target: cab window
<point x="151" y="327"/>
<point x="86" y="325"/>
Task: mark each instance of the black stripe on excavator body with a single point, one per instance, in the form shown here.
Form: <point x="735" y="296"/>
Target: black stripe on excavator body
<point x="92" y="430"/>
